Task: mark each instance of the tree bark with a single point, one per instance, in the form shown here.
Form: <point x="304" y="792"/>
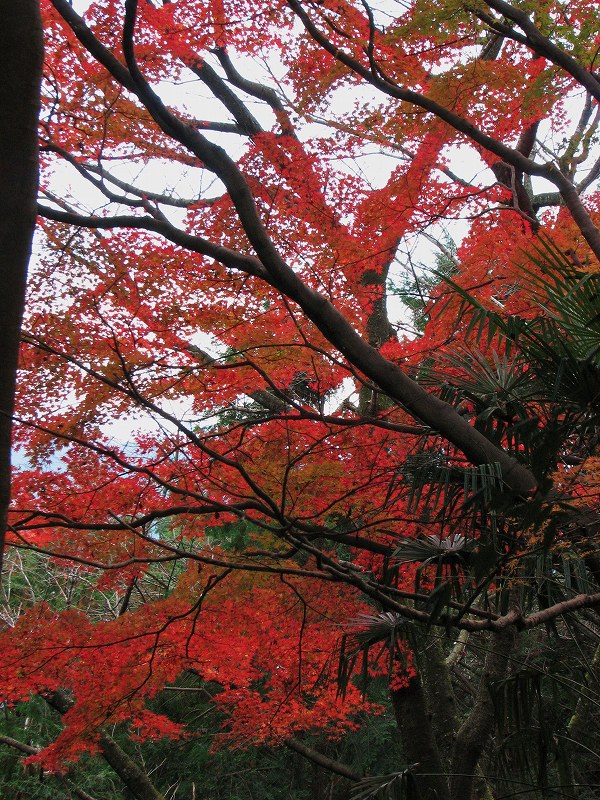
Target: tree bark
<point x="476" y="730"/>
<point x="21" y="56"/>
<point x="322" y="760"/>
<point x="441" y="706"/>
<point x="441" y="703"/>
<point x="420" y="747"/>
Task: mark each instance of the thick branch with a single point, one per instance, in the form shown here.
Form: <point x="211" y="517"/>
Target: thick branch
<point x="321" y="760"/>
<point x="195" y="244"/>
<point x="101" y="53"/>
<point x="388" y="376"/>
<point x="258" y="90"/>
<point x="477" y="728"/>
<point x="560" y="609"/>
<point x="247" y="123"/>
<point x="420" y="747"/>
<point x="541" y="45"/>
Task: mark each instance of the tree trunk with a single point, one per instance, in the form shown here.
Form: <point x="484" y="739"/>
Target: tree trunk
<point x="420" y="748"/>
<point x="441" y="704"/>
<point x="476" y="730"/>
<point x="439" y="694"/>
<point x="583" y="729"/>
<point x="21" y="55"/>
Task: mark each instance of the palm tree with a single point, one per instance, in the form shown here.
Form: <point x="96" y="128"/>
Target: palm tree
<point x="515" y="712"/>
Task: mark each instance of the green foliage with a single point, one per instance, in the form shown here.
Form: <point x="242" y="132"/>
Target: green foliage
<point x="192" y="766"/>
<point x="230" y="535"/>
<point x="534" y="708"/>
<point x="435" y="481"/>
<point x="415" y="289"/>
<point x="34" y="724"/>
<point x="277" y="773"/>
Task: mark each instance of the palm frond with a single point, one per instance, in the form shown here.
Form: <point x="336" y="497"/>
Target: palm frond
<point x="530" y="729"/>
<point x="434" y="481"/>
<point x="540" y="385"/>
<point x="383" y="629"/>
<point x="395" y="786"/>
<point x="432" y="548"/>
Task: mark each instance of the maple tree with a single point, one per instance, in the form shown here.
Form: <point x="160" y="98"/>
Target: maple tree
<point x="266" y="481"/>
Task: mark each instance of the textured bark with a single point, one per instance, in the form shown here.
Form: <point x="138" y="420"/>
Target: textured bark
<point x="439" y="694"/>
<point x="478" y="727"/>
<point x="21" y="54"/>
<point x="136" y="780"/>
<point x="441" y="704"/>
<point x="420" y="748"/>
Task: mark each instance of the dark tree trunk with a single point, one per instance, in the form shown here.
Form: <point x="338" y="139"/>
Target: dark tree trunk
<point x="476" y="730"/>
<point x="21" y="54"/>
<point x="418" y="741"/>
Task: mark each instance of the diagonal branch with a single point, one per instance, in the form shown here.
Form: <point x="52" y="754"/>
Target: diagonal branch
<point x="541" y="45"/>
<point x="195" y="244"/>
<point x="511" y="156"/>
<point x="321" y="760"/>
